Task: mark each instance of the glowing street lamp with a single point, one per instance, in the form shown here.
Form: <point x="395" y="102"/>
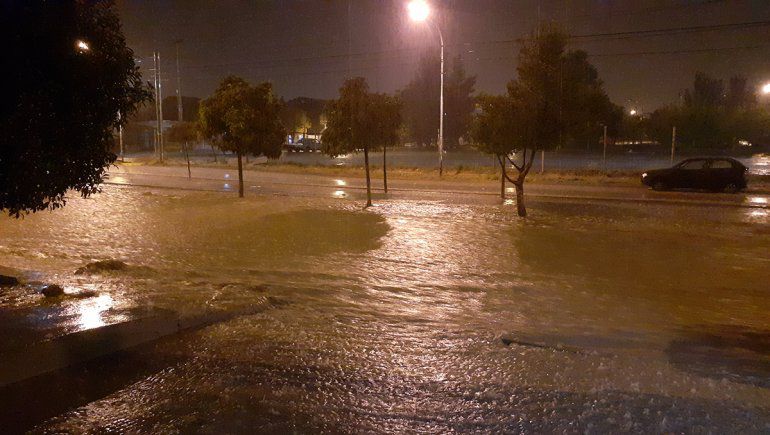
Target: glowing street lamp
<point x="633" y="112"/>
<point x="419" y="11"/>
<point x="82" y="46"/>
<point x="766" y="89"/>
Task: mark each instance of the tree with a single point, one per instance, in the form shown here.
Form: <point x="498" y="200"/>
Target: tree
<point x="184" y="133"/>
<point x="712" y="116"/>
<point x="243" y="119"/>
<point x="421" y="101"/>
<point x="387" y="114"/>
<point x="360" y="120"/>
<point x="492" y="130"/>
<point x="584" y="106"/>
<point x="529" y="117"/>
<point x="70" y="73"/>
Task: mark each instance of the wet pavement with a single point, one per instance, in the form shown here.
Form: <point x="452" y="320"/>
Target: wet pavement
<point x="427" y="313"/>
<point x="262" y="182"/>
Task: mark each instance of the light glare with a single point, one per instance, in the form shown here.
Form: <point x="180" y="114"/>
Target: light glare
<point x="82" y="45"/>
<point x="766" y="88"/>
<point x="418" y="10"/>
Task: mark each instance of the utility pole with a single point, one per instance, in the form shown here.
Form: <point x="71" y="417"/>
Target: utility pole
<point x="120" y="136"/>
<point x="178" y="84"/>
<point x="604" y="154"/>
<point x="441" y="109"/>
<point x="180" y="111"/>
<point x="158" y="104"/>
<point x="673" y="144"/>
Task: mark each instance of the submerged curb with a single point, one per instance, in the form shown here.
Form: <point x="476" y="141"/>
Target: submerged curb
<point x="669" y="201"/>
<point x="48" y="356"/>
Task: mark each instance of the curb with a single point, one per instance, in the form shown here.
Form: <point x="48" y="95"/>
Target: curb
<point x="48" y="356"/>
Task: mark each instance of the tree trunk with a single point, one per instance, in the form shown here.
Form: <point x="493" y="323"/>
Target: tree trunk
<point x="520" y="208"/>
<point x="385" y="168"/>
<point x="368" y="178"/>
<point x="240" y="175"/>
<point x="502" y="180"/>
<point x="187" y="156"/>
<point x="213" y="151"/>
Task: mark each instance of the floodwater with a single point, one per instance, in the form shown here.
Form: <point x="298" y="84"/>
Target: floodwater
<point x="416" y="315"/>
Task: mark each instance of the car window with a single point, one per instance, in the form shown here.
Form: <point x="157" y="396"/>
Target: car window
<point x="693" y="164"/>
<point x="721" y="164"/>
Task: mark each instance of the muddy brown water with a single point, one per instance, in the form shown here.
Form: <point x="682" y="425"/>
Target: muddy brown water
<point x="394" y="319"/>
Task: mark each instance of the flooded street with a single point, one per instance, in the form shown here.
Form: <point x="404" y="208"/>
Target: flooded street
<point x="417" y="315"/>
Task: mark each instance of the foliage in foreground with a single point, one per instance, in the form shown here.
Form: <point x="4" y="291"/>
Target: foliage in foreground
<point x="60" y="100"/>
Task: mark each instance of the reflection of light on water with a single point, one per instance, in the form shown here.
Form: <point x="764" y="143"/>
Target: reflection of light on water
<point x="339" y="194"/>
<point x="340" y="182"/>
<point x="90" y="311"/>
<point x="227" y="186"/>
<point x="508" y="202"/>
<point x="227" y="176"/>
<point x="757" y="215"/>
<point x="510" y="190"/>
<point x="118" y="179"/>
<point x="757" y="200"/>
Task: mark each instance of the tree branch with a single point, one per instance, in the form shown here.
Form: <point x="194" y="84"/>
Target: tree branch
<point x="528" y="165"/>
<point x="502" y="167"/>
<point x="519" y="168"/>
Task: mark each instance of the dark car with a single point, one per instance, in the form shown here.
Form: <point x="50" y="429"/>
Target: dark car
<point x="304" y="145"/>
<point x="709" y="173"/>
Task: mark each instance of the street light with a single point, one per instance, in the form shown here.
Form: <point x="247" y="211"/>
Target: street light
<point x="419" y="11"/>
<point x="766" y="89"/>
<point x="82" y="46"/>
<point x="633" y="112"/>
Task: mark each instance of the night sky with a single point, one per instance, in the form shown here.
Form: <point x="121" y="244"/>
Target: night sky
<point x="307" y="48"/>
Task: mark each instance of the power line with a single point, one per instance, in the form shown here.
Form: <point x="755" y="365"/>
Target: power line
<point x="674" y="30"/>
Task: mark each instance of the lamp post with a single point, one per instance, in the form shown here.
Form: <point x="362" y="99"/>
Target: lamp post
<point x="419" y="11"/>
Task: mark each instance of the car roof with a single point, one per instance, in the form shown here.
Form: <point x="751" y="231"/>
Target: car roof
<point x="712" y="158"/>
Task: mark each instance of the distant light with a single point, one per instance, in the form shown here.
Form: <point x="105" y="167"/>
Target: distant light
<point x="633" y="112"/>
<point x="82" y="45"/>
<point x="340" y="182"/>
<point x="418" y="10"/>
<point x="766" y="89"/>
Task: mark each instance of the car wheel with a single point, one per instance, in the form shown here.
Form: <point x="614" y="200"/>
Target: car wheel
<point x="731" y="188"/>
<point x="659" y="186"/>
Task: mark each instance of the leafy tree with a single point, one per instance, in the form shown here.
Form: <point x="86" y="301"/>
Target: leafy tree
<point x="530" y="117"/>
<point x="243" y="119"/>
<point x="295" y="119"/>
<point x="421" y="101"/>
<point x="712" y="116"/>
<point x="184" y="133"/>
<point x="492" y="130"/>
<point x="358" y="120"/>
<point x="583" y="104"/>
<point x="387" y="111"/>
<point x="69" y="74"/>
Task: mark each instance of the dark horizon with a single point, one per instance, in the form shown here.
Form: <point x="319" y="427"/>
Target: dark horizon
<point x="318" y="48"/>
